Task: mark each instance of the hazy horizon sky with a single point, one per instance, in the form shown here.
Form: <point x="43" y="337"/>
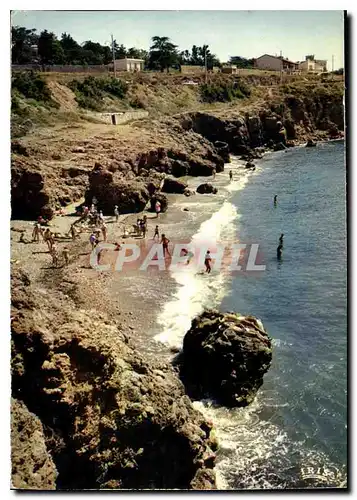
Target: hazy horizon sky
<point x="228" y="33"/>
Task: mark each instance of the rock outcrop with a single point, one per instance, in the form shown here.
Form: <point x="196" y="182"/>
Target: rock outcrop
<point x="32" y="466"/>
<point x="171" y="185"/>
<point x="111" y="419"/>
<point x="225" y="356"/>
<point x="206" y="188"/>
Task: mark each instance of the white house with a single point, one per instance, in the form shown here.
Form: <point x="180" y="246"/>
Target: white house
<point x="275" y="63"/>
<point x="313" y="65"/>
<point x="129" y="64"/>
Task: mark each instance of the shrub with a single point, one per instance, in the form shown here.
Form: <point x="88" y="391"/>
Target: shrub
<point x="224" y="92"/>
<point x="91" y="91"/>
<point x="32" y="86"/>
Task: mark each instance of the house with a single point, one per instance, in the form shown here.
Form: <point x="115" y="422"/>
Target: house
<point x="275" y="63"/>
<point x="127" y="64"/>
<point x="230" y="69"/>
<point x="312" y="65"/>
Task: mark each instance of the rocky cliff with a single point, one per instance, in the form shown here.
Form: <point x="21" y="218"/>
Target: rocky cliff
<point x="51" y="171"/>
<point x="101" y="416"/>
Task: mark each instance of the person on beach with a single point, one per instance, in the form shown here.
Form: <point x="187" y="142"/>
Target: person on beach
<point x="157" y="208"/>
<point x="73" y="232"/>
<point x="156" y="233"/>
<point x="279" y="251"/>
<point x="36" y="232"/>
<point x="117" y="247"/>
<point x="208" y="260"/>
<point x="143" y="228"/>
<point x="281" y="242"/>
<point x="48" y="238"/>
<point x="230" y="175"/>
<point x="65" y="254"/>
<point x="125" y="232"/>
<point x="54" y="254"/>
<point x="275" y="200"/>
<point x="116" y="213"/>
<point x="165" y="244"/>
<point x="104" y="231"/>
<point x="214" y="173"/>
<point x="93" y="240"/>
<point x="187" y="254"/>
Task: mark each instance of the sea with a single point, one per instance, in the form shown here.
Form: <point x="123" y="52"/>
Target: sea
<point x="294" y="434"/>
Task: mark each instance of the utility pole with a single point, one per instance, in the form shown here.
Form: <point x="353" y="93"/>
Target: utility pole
<point x="281" y="67"/>
<point x="113" y="57"/>
<point x="205" y="64"/>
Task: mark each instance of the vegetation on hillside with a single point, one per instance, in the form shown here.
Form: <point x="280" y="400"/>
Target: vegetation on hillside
<point x="224" y="91"/>
<point x="91" y="91"/>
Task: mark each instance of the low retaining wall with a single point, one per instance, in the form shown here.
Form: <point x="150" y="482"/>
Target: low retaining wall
<point x="118" y="118"/>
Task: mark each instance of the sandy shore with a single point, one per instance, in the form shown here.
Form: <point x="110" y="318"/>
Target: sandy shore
<point x="133" y="297"/>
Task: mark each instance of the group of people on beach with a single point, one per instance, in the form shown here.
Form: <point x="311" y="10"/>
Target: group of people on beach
<point x="48" y="237"/>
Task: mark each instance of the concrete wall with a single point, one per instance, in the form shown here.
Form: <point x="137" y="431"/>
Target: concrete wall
<point x="120" y="118"/>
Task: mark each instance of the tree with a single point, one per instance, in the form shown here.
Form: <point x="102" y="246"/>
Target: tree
<point x="241" y="62"/>
<point x="50" y="50"/>
<point x="73" y="52"/>
<point x="119" y="50"/>
<point x="163" y="53"/>
<point x="22" y="42"/>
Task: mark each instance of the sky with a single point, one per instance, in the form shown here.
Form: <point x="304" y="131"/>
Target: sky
<point x="228" y="33"/>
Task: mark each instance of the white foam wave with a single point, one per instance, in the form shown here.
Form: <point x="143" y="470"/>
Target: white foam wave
<point x="196" y="291"/>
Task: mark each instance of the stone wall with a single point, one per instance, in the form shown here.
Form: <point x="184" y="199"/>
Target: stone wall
<point x="123" y="117"/>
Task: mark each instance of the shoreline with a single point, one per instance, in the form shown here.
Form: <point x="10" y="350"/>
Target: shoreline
<point x="117" y="304"/>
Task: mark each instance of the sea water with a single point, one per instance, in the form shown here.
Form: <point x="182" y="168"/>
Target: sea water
<point x="294" y="435"/>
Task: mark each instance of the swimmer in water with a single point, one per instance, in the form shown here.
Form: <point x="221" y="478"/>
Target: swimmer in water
<point x="281" y="242"/>
<point x="279" y="251"/>
<point x="275" y="200"/>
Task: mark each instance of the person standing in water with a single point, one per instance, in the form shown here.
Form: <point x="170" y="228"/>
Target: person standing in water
<point x="230" y="175"/>
<point x="279" y="251"/>
<point x="214" y="173"/>
<point x="165" y="244"/>
<point x="275" y="200"/>
<point x="208" y="260"/>
<point x="281" y="242"/>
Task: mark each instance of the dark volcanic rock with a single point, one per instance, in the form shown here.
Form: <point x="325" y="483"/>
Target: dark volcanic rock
<point x="223" y="150"/>
<point x="162" y="199"/>
<point x="111" y="418"/>
<point x="225" y="356"/>
<point x="180" y="168"/>
<point x="173" y="186"/>
<point x="279" y="146"/>
<point x="310" y="144"/>
<point x="32" y="465"/>
<point x="206" y="188"/>
<point x="130" y="196"/>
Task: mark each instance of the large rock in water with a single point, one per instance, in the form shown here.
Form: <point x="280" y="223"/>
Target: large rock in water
<point x="112" y="419"/>
<point x="206" y="188"/>
<point x="225" y="355"/>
